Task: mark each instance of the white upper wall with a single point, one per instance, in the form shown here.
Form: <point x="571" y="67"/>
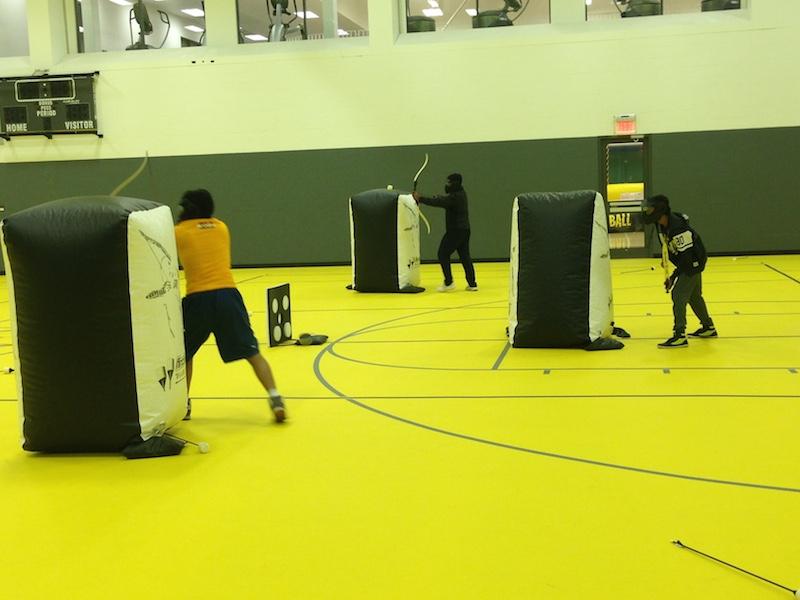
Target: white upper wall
<point x="705" y="71"/>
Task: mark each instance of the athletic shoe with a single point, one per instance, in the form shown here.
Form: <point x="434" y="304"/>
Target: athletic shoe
<point x="446" y="288"/>
<point x="705" y="332"/>
<point x="676" y="341"/>
<point x="278" y="409"/>
<point x="188" y="415"/>
<point x="620" y="332"/>
<point x="472" y="288"/>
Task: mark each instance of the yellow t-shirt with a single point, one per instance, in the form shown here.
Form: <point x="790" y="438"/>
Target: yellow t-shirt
<point x="204" y="249"/>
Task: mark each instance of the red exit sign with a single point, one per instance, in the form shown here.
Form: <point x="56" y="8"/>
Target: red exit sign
<point x="625" y="124"/>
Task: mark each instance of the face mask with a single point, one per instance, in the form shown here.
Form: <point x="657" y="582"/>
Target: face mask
<point x="651" y="214"/>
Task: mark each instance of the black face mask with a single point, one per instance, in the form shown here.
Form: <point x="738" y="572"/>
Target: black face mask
<point x="651" y="214"/>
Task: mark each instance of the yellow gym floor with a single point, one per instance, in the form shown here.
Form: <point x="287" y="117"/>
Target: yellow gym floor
<point x="424" y="459"/>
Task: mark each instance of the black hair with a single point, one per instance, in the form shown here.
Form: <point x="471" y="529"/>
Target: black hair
<point x="659" y="200"/>
<point x="456" y="178"/>
<point x="197" y="204"/>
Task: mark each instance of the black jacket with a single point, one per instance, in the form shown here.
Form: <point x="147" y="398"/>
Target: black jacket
<point x="455" y="203"/>
<point x="686" y="250"/>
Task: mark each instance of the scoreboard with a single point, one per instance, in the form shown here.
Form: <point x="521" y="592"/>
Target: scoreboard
<point x="48" y="105"/>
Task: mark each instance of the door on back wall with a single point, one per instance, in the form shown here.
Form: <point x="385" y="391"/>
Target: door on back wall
<point x="624" y="175"/>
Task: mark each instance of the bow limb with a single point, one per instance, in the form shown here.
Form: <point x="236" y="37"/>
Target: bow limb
<point x="130" y="179"/>
<point x="421" y="169"/>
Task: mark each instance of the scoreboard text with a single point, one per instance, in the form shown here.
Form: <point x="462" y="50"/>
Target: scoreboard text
<point x="48" y="105"/>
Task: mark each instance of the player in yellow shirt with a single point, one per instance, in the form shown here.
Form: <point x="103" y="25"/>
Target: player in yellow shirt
<point x="212" y="303"/>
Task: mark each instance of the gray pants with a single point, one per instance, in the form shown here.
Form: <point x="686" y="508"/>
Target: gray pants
<point x="688" y="289"/>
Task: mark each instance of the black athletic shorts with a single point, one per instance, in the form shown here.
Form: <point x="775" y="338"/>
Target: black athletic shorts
<point x="221" y="312"/>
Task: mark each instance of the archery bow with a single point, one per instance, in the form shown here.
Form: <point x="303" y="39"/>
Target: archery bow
<point x="416" y="178"/>
<point x="130" y="179"/>
<point x="665" y="261"/>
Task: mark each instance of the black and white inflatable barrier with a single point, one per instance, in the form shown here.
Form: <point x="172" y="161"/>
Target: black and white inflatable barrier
<point x="560" y="272"/>
<point x="384" y="242"/>
<point x="96" y="325"/>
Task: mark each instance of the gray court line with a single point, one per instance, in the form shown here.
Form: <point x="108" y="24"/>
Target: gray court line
<point x="421" y="324"/>
<point x="714" y="302"/>
<point x="735" y="313"/>
<point x="249" y="279"/>
<point x="617" y="318"/>
<point x="645" y="287"/>
<point x="576" y="459"/>
<point x="781" y="272"/>
<point x="483" y="369"/>
<point x="457" y="341"/>
<point x="501" y="397"/>
<point x="419" y="341"/>
<point x="500" y="358"/>
<point x="386" y="309"/>
<point x="627" y="340"/>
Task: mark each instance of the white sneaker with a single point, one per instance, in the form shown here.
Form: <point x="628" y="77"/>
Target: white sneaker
<point x="472" y="288"/>
<point x="446" y="288"/>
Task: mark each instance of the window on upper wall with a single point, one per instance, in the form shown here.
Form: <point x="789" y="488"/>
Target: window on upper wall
<point x="441" y="15"/>
<point x="597" y="10"/>
<point x="297" y="20"/>
<point x="13" y="28"/>
<point x="110" y="25"/>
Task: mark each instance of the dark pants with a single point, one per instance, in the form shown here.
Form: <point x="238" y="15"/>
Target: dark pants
<point x="456" y="241"/>
<point x="688" y="289"/>
<point x="221" y="312"/>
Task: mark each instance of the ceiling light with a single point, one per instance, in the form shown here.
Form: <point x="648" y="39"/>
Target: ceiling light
<point x="193" y="12"/>
<point x="588" y="2"/>
<point x="472" y="12"/>
<point x="432" y="12"/>
<point x="194" y="28"/>
<point x="433" y="3"/>
<point x="307" y="15"/>
<point x="121" y="2"/>
<point x="342" y="32"/>
<point x="256" y="37"/>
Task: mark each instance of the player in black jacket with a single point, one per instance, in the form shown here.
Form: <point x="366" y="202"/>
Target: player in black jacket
<point x="456" y="237"/>
<point x="687" y="253"/>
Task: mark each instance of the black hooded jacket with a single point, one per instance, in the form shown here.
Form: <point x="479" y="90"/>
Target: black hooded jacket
<point x="455" y="205"/>
<point x="686" y="250"/>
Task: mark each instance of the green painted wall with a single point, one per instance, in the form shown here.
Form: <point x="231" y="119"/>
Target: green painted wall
<point x="292" y="207"/>
<point x="741" y="188"/>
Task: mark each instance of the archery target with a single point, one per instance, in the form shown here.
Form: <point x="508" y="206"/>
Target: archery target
<point x="279" y="322"/>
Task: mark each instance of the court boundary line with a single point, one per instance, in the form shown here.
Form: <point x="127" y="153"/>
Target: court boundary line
<point x="499" y="397"/>
<point x="781" y="272"/>
<point x="575" y="459"/>
<point x="500" y="358"/>
<point x="546" y="368"/>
